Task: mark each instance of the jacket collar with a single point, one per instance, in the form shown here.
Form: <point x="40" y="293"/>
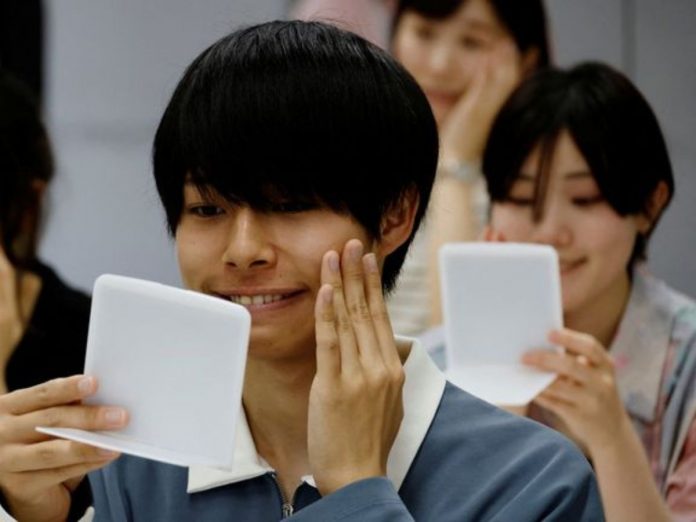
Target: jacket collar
<point x="422" y="392"/>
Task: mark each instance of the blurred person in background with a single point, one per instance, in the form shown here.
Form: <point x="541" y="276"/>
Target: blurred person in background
<point x="43" y="322"/>
<point x="467" y="55"/>
<point x="576" y="160"/>
<point x="368" y="18"/>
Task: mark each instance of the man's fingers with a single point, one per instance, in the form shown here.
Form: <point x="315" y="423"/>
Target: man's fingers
<point x="331" y="274"/>
<point x="51" y="454"/>
<point x="359" y="311"/>
<point x="48" y="394"/>
<point x="72" y="416"/>
<point x="41" y="480"/>
<point x="328" y="350"/>
<point x="378" y="311"/>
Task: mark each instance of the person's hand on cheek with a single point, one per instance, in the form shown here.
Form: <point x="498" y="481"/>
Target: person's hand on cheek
<point x="584" y="396"/>
<point x="465" y="131"/>
<point x="355" y="404"/>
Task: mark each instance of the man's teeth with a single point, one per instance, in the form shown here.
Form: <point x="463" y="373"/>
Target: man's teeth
<point x="247" y="300"/>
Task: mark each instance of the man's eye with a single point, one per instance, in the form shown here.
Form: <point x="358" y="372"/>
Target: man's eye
<point x="206" y="211"/>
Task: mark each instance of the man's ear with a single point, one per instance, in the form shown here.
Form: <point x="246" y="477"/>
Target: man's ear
<point x="658" y="200"/>
<point x="39" y="187"/>
<point x="397" y="223"/>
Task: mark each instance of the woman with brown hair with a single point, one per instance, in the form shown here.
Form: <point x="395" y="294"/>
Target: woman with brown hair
<point x="467" y="56"/>
<point x="43" y="322"/>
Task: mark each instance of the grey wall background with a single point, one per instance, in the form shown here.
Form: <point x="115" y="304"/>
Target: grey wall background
<point x="654" y="42"/>
<point x="112" y="65"/>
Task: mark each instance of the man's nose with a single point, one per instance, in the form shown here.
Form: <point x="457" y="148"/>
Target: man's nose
<point x="248" y="245"/>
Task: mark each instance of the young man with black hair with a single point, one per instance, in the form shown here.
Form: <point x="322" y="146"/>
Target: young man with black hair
<point x="295" y="162"/>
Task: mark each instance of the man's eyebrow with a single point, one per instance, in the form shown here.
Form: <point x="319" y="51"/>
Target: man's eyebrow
<point x="578" y="174"/>
<point x="524" y="176"/>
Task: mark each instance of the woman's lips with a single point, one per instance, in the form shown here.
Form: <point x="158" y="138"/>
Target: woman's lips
<point x="567" y="266"/>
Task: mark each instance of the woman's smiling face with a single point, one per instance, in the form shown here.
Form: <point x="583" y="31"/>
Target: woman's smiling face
<point x="444" y="55"/>
<point x="594" y="243"/>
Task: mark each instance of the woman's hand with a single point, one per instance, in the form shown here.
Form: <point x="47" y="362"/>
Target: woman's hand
<point x="355" y="404"/>
<point x="490" y="235"/>
<point x="584" y="396"/>
<point x="38" y="472"/>
<point x="465" y="131"/>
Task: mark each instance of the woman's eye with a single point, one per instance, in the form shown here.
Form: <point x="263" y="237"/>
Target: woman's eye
<point x="471" y="43"/>
<point x="587" y="201"/>
<point x="424" y="32"/>
<point x="520" y="201"/>
<point x="206" y="211"/>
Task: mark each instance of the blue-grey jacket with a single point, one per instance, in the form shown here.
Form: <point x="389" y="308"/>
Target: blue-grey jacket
<point x="456" y="458"/>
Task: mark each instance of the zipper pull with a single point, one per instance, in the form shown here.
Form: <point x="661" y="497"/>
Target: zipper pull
<point x="287" y="510"/>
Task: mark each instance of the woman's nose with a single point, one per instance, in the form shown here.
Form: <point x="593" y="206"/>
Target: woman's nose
<point x="441" y="59"/>
<point x="554" y="227"/>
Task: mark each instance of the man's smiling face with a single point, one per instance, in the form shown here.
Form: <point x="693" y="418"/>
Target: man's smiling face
<point x="268" y="261"/>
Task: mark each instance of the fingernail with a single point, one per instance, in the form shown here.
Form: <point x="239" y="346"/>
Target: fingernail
<point x="356" y="251"/>
<point x="333" y="262"/>
<point x="106" y="453"/>
<point x="115" y="416"/>
<point x="326" y="294"/>
<point x="371" y="263"/>
<point x="86" y="385"/>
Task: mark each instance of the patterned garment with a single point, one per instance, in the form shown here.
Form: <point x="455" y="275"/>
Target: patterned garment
<point x="655" y="354"/>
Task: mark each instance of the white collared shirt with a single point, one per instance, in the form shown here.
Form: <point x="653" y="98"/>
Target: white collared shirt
<point x="423" y="388"/>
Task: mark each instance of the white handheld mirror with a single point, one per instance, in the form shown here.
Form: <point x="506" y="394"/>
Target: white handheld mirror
<point x="499" y="300"/>
<point x="175" y="360"/>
